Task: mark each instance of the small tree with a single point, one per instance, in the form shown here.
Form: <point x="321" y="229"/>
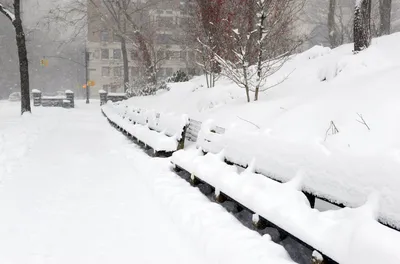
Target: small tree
<point x="262" y="43"/>
<point x="16" y="20"/>
<point x="362" y="25"/>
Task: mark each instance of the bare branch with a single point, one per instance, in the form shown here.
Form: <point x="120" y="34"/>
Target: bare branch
<point x="362" y="121"/>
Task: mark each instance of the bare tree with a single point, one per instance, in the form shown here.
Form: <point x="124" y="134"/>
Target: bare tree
<point x="16" y="20"/>
<point x="263" y="41"/>
<point x="385" y="10"/>
<point x="332" y="29"/>
<point x="362" y="25"/>
<point x="332" y="21"/>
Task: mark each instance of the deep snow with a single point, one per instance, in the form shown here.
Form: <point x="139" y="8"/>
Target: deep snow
<point x="288" y="131"/>
<point x="74" y="190"/>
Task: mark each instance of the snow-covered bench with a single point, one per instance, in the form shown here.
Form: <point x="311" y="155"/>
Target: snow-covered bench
<point x="286" y="205"/>
<point x="337" y="177"/>
<point x="162" y="132"/>
<point x="343" y="236"/>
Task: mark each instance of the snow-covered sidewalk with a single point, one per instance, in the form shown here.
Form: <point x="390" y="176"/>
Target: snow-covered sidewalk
<point x="73" y="190"/>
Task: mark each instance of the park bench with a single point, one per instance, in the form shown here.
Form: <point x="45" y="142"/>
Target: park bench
<point x="163" y="132"/>
<point x="237" y="173"/>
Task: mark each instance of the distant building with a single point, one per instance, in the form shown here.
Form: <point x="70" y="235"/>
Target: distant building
<point x="105" y="65"/>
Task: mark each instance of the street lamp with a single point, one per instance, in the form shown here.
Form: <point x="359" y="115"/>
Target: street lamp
<point x="87" y="74"/>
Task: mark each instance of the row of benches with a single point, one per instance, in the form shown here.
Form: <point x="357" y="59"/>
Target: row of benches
<point x="342" y="236"/>
<point x="164" y="133"/>
<point x="286" y="205"/>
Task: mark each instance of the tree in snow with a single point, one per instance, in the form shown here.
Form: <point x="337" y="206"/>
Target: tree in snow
<point x="332" y="21"/>
<point x="16" y="20"/>
<point x="263" y="41"/>
<point x="207" y="29"/>
<point x="130" y="24"/>
<point x="385" y="10"/>
<point x="362" y="25"/>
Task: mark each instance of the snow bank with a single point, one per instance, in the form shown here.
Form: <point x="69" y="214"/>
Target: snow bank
<point x="287" y="207"/>
<point x="18" y="134"/>
<point x="290" y="128"/>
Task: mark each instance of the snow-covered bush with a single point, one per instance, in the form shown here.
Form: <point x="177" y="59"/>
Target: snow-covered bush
<point x="179" y="76"/>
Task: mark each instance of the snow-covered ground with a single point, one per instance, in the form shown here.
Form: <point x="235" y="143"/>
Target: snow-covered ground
<point x="74" y="190"/>
<point x="291" y="129"/>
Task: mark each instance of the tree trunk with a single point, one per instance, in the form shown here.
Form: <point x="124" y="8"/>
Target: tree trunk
<point x="125" y="63"/>
<point x="332" y="24"/>
<point x="362" y="25"/>
<point x="260" y="54"/>
<point x="23" y="59"/>
<point x="385" y="10"/>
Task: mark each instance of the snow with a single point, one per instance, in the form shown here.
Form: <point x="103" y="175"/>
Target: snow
<point x="286" y="132"/>
<point x="102" y="91"/>
<point x="36" y="91"/>
<point x="117" y="94"/>
<point x="60" y="97"/>
<point x="287" y="207"/>
<point x="69" y="92"/>
<point x="74" y="190"/>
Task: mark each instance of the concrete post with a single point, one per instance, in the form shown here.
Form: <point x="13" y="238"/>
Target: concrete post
<point x="71" y="97"/>
<point x="103" y="97"/>
<point x="37" y="97"/>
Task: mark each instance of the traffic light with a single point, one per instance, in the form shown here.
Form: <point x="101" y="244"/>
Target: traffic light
<point x="44" y="63"/>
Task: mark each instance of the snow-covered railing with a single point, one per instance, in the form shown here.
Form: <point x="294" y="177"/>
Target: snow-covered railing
<point x="66" y="101"/>
<point x="163" y="132"/>
<point x="341" y="236"/>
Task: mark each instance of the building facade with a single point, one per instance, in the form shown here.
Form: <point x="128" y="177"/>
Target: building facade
<point x="168" y="49"/>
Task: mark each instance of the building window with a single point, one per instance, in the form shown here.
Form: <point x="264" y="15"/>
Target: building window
<point x="135" y="71"/>
<point x="105" y="36"/>
<point x="168" y="71"/>
<point x="118" y="71"/>
<point x="116" y="54"/>
<point x="116" y="38"/>
<point x="134" y="55"/>
<point x="160" y="55"/>
<point x="165" y="22"/>
<point x="164" y="39"/>
<point x="105" y="55"/>
<point x="105" y="71"/>
<point x="182" y="55"/>
<point x="191" y="55"/>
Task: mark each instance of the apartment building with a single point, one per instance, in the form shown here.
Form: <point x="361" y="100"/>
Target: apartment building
<point x="169" y="52"/>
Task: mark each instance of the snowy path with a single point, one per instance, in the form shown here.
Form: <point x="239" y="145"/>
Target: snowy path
<point x="78" y="192"/>
<point x="75" y="200"/>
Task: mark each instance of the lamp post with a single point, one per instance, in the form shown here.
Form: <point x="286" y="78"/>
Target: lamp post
<point x="87" y="75"/>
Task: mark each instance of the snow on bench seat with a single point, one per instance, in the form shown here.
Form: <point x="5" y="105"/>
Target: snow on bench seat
<point x="346" y="235"/>
<point x="160" y="132"/>
<point x="334" y="174"/>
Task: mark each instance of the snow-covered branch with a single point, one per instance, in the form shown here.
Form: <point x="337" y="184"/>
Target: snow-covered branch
<point x="7" y="13"/>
